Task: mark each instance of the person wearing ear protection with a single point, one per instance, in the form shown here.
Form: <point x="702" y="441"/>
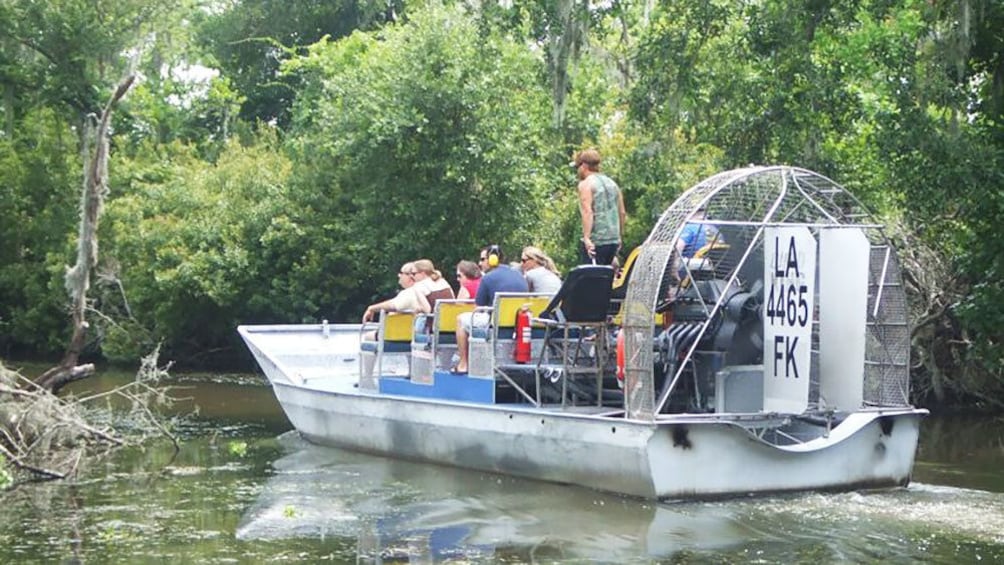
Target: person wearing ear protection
<point x="500" y="277"/>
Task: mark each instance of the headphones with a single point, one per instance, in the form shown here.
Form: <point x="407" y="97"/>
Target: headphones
<point x="494" y="255"/>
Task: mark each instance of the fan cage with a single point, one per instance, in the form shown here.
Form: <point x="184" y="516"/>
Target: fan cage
<point x="741" y="204"/>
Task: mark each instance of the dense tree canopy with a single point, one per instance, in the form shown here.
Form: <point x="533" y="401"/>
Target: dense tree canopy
<point x="277" y="161"/>
<point x="250" y="40"/>
<point x="428" y="137"/>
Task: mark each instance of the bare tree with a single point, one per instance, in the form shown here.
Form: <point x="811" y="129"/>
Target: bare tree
<point x="78" y="278"/>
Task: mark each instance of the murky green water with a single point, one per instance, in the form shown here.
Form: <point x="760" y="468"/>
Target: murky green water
<point x="243" y="490"/>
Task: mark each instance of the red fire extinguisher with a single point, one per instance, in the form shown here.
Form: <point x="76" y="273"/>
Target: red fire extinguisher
<point x="620" y="357"/>
<point x="521" y="353"/>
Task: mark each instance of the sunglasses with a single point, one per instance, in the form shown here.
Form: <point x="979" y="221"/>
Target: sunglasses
<point x="411" y="274"/>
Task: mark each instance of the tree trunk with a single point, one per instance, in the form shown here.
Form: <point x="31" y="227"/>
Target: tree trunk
<point x="564" y="42"/>
<point x="78" y="278"/>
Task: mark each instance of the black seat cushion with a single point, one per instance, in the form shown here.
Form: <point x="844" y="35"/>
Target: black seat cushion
<point x="584" y="296"/>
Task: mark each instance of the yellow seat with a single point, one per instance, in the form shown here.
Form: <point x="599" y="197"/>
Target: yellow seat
<point x="397" y="326"/>
<point x="492" y="340"/>
<point x="624" y="274"/>
<point x="508" y="305"/>
<point x="393" y="332"/>
<point x="446" y="314"/>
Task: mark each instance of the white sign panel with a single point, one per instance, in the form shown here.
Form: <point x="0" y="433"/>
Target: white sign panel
<point x="789" y="291"/>
<point x="843" y="303"/>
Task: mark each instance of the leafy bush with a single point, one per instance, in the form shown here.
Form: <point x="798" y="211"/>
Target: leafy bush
<point x="196" y="244"/>
<point x="423" y="140"/>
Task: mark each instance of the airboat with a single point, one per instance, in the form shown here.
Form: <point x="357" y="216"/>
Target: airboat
<point x="775" y="358"/>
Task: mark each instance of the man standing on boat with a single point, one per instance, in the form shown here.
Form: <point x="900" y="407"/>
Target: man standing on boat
<point x="499" y="278"/>
<point x="601" y="205"/>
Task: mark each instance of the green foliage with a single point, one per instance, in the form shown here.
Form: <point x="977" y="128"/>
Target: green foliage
<point x="65" y="53"/>
<point x="250" y="39"/>
<point x="5" y="477"/>
<point x="201" y="243"/>
<point x="202" y="113"/>
<point x="39" y="191"/>
<point x="425" y="140"/>
<point x="237" y="448"/>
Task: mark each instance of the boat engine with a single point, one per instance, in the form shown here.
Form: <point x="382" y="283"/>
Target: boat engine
<point x="730" y="335"/>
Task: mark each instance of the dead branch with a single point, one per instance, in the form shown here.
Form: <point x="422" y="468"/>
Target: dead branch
<point x="154" y="420"/>
<point x="54" y="380"/>
<point x="45" y="437"/>
<point x="17" y="462"/>
<point x="78" y="277"/>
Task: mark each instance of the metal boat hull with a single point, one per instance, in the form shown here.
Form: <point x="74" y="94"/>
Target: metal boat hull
<point x="678" y="456"/>
<point x="667" y="459"/>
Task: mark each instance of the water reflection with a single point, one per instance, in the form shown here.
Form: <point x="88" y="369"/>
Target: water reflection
<point x="401" y="509"/>
<point x="962" y="451"/>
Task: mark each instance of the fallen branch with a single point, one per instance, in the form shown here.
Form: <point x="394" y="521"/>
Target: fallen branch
<point x="17" y="462"/>
<point x="56" y="378"/>
<point x="45" y="437"/>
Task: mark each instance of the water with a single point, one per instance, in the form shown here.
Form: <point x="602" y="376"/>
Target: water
<point x="245" y="489"/>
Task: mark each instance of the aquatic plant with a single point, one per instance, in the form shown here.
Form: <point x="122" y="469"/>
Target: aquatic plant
<point x="238" y="448"/>
<point x="5" y="477"/>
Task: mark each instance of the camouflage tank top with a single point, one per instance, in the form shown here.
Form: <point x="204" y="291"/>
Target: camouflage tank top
<point x="606" y="219"/>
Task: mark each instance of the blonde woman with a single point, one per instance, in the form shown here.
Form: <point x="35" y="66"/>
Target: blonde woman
<point x="430" y="284"/>
<point x="541" y="275"/>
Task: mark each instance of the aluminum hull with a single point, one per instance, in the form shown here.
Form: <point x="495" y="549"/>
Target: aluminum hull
<point x="678" y="456"/>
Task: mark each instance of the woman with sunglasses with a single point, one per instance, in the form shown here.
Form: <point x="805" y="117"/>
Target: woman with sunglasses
<point x="541" y="274"/>
<point x="430" y="285"/>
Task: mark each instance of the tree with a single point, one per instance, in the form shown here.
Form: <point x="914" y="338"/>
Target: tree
<point x="251" y="39"/>
<point x="63" y="53"/>
<point x="78" y="278"/>
<point x="561" y="29"/>
<point x="58" y="60"/>
<point x="424" y="140"/>
<point x="202" y="247"/>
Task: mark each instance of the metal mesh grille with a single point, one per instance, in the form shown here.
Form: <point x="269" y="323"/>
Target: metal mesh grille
<point x="887" y="353"/>
<point x="740" y="204"/>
